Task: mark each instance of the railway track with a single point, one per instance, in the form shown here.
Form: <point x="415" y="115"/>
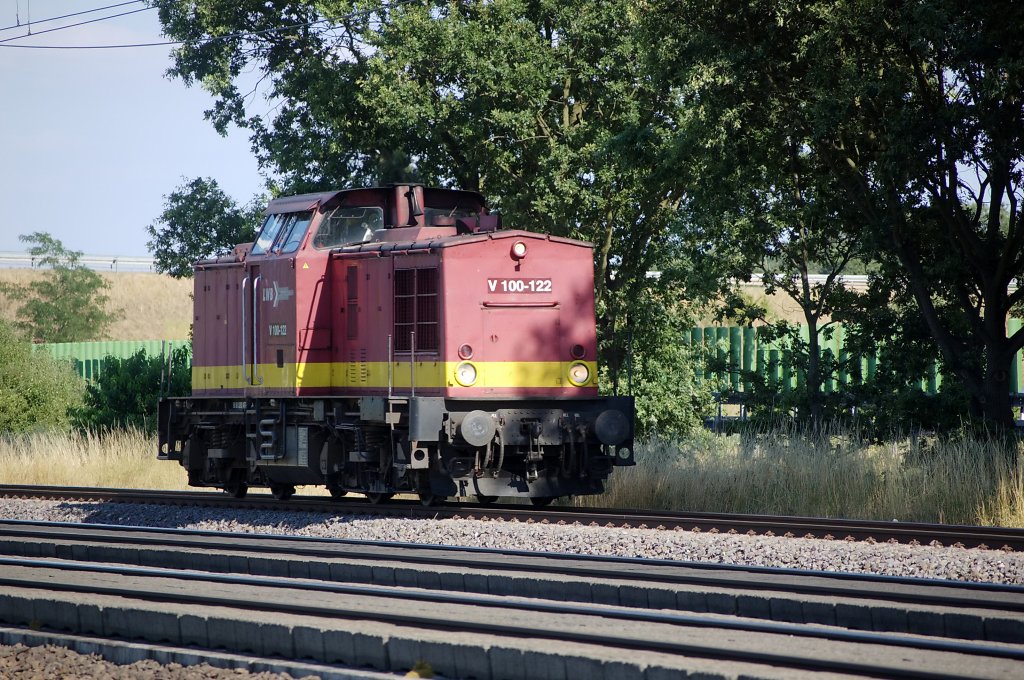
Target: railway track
<point x="914" y="533"/>
<point x="489" y="613"/>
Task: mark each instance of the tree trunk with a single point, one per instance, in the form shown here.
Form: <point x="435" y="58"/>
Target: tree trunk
<point x="813" y="384"/>
<point x="994" y="400"/>
<point x="987" y="380"/>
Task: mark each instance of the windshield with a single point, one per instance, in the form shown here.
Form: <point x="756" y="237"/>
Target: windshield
<point x="282" y="233"/>
<point x="268" y="233"/>
<point x="293" y="231"/>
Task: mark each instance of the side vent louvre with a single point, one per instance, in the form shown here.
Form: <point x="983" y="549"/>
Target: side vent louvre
<point x="417" y="309"/>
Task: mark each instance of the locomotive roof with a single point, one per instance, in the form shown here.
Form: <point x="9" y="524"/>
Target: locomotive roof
<point x="301" y="202"/>
<point x="286" y="204"/>
<point x="450" y="241"/>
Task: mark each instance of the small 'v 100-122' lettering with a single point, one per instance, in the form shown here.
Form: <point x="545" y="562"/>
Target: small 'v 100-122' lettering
<point x="519" y="285"/>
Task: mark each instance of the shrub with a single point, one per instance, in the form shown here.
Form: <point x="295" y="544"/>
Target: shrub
<point x="36" y="390"/>
<point x="126" y="393"/>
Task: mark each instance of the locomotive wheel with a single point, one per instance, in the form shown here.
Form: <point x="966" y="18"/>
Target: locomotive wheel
<point x="377" y="498"/>
<point x="486" y="500"/>
<point x="427" y="499"/>
<point x="237" y="489"/>
<point x="541" y="501"/>
<point x="336" y="492"/>
<point x="282" y="492"/>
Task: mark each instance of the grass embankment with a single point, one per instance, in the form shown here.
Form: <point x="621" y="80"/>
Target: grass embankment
<point x="146" y="306"/>
<point x="956" y="480"/>
<point x="953" y="480"/>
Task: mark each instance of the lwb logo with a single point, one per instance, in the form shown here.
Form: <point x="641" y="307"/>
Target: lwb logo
<point x="277" y="294"/>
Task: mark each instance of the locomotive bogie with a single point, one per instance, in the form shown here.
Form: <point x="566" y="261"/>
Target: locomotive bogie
<point x="429" y="446"/>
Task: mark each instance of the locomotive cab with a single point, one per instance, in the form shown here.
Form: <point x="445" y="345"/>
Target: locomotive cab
<point x="390" y="340"/>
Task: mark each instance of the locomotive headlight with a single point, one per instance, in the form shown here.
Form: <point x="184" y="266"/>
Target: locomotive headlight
<point x="465" y="374"/>
<point x="579" y="374"/>
<point x="518" y="250"/>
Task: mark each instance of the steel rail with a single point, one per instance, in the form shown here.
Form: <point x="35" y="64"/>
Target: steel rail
<point x="767" y="525"/>
<point x="933" y="592"/>
<point x="494" y="627"/>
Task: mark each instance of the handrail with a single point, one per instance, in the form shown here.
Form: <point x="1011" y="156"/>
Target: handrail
<point x="245" y="364"/>
<point x="412" y="363"/>
<point x="390" y="367"/>
<point x="257" y="379"/>
<point x="519" y="305"/>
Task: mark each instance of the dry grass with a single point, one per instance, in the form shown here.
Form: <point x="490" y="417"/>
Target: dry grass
<point x="951" y="481"/>
<point x="121" y="458"/>
<point x="956" y="481"/>
<point x="149" y="306"/>
<point x="779" y="306"/>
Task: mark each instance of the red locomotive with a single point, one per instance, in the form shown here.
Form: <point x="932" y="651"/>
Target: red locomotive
<point x="394" y="340"/>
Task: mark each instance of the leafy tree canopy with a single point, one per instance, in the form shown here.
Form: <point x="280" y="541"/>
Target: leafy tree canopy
<point x="912" y="110"/>
<point x="545" y="106"/>
<point x="69" y="303"/>
<point x="540" y="105"/>
<point x="199" y="221"/>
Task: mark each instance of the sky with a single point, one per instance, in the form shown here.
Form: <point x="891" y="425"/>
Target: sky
<point x="92" y="140"/>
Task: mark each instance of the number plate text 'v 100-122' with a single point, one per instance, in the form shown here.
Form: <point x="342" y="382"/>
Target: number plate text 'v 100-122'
<point x="519" y="285"/>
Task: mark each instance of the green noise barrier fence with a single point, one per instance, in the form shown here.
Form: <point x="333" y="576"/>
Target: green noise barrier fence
<point x="88" y="356"/>
<point x="732" y="354"/>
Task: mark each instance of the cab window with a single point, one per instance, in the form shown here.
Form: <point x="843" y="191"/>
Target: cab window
<point x="347" y="225"/>
<point x="268" y="233"/>
<point x="455" y="212"/>
<point x="293" y="231"/>
<point x="282" y="233"/>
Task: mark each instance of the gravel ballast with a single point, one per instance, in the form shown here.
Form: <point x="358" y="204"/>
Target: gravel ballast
<point x="961" y="564"/>
<point x="23" y="663"/>
<point x="19" y="662"/>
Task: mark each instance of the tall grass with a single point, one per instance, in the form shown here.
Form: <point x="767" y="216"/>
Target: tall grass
<point x="119" y="458"/>
<point x="958" y="480"/>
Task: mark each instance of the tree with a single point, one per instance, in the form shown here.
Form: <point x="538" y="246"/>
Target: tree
<point x="916" y="110"/>
<point x="199" y="221"/>
<point x="69" y="303"/>
<point x="764" y="205"/>
<point x="127" y="390"/>
<point x="541" y="105"/>
<point x="36" y="391"/>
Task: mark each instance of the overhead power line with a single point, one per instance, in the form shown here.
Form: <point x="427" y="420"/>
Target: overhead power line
<point x="229" y="36"/>
<point x="68" y="16"/>
<point x="61" y="28"/>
